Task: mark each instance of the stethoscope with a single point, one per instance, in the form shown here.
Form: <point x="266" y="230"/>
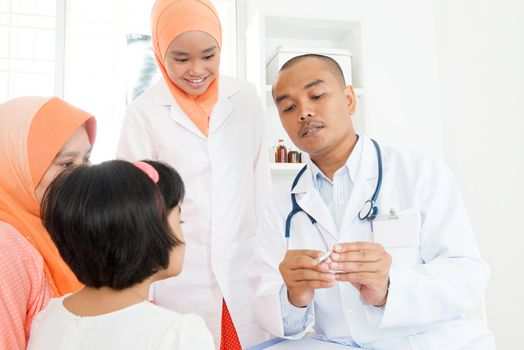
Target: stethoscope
<point x="369" y="210"/>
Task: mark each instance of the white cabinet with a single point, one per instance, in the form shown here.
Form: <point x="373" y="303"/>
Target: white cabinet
<point x="267" y="31"/>
<point x="282" y="54"/>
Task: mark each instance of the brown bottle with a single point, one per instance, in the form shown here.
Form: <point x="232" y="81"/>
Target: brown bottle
<point x="280" y="152"/>
<point x="293" y="157"/>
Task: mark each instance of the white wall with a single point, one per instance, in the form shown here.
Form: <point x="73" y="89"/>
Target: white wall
<point x="447" y="77"/>
<point x="481" y="56"/>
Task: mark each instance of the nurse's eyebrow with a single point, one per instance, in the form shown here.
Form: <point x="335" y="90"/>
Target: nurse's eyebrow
<point x="209" y="49"/>
<point x="182" y="53"/>
<point x="72" y="153"/>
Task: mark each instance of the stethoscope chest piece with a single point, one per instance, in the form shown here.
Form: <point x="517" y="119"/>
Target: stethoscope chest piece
<point x="368" y="211"/>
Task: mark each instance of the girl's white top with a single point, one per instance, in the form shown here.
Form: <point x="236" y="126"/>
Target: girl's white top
<point x="139" y="326"/>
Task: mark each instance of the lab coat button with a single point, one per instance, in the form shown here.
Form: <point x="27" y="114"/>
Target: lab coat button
<point x="350" y="314"/>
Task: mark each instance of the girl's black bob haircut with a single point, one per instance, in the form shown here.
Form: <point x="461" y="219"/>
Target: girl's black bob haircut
<point x="109" y="221"/>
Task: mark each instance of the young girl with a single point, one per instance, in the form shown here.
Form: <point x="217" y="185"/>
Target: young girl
<point x="213" y="128"/>
<point x="39" y="138"/>
<point x="117" y="225"/>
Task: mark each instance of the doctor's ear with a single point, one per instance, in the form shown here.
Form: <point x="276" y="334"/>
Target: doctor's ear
<point x="351" y="99"/>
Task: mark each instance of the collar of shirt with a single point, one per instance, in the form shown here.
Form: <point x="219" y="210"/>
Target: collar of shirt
<point x="352" y="164"/>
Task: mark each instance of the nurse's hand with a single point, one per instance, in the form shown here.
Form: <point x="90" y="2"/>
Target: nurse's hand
<point x="302" y="277"/>
<point x="366" y="265"/>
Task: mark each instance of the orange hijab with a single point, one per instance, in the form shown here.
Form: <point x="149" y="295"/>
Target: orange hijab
<point x="169" y="19"/>
<point x="32" y="132"/>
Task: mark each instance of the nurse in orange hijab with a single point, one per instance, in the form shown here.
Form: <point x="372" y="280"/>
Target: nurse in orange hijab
<point x="39" y="137"/>
<point x="211" y="128"/>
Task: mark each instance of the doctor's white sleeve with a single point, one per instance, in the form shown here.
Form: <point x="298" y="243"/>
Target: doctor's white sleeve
<point x="453" y="277"/>
<point x="136" y="138"/>
<point x="275" y="315"/>
<point x="295" y="320"/>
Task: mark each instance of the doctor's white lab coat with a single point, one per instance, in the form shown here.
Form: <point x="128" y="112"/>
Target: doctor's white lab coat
<point x="437" y="273"/>
<point x="225" y="176"/>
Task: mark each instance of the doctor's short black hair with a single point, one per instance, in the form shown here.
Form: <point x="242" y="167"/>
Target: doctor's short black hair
<point x="110" y="221"/>
<point x="332" y="66"/>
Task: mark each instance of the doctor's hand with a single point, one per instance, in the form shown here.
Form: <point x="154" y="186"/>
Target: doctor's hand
<point x="302" y="278"/>
<point x="366" y="265"/>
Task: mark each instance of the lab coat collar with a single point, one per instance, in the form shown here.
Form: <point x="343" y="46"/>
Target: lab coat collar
<point x="224" y="107"/>
<point x="161" y="93"/>
<point x="365" y="184"/>
<point x="368" y="162"/>
<point x="221" y="111"/>
<point x="311" y="202"/>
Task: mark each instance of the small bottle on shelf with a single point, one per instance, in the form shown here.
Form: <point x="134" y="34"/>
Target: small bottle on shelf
<point x="293" y="157"/>
<point x="281" y="152"/>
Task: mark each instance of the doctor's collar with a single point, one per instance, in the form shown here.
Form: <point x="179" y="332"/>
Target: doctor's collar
<point x="352" y="164"/>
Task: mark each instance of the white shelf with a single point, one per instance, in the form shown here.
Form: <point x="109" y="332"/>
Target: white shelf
<point x="285" y="168"/>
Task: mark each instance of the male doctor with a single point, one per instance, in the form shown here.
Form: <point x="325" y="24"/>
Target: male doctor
<point x="404" y="266"/>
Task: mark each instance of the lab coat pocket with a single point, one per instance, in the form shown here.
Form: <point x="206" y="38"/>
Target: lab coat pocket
<point x="396" y="231"/>
<point x="237" y="256"/>
<point x="399" y="235"/>
<point x="234" y="268"/>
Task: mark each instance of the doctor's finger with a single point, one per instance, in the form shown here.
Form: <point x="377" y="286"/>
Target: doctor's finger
<point x="310" y="275"/>
<point x="313" y="254"/>
<point x="300" y="258"/>
<point x="361" y="278"/>
<point x="315" y="284"/>
<point x="357" y="246"/>
<point x="304" y="262"/>
<point x="359" y="266"/>
<point x="359" y="255"/>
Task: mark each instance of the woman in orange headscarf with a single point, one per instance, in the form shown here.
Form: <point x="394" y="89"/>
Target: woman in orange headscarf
<point x="39" y="137"/>
<point x="211" y="128"/>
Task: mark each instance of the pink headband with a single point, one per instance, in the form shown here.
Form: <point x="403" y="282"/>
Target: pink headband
<point x="149" y="170"/>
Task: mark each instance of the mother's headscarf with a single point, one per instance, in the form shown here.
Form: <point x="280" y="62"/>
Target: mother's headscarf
<point x="169" y="19"/>
<point x="32" y="132"/>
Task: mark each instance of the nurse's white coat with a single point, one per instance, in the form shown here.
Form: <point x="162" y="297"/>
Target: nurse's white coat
<point x="225" y="176"/>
